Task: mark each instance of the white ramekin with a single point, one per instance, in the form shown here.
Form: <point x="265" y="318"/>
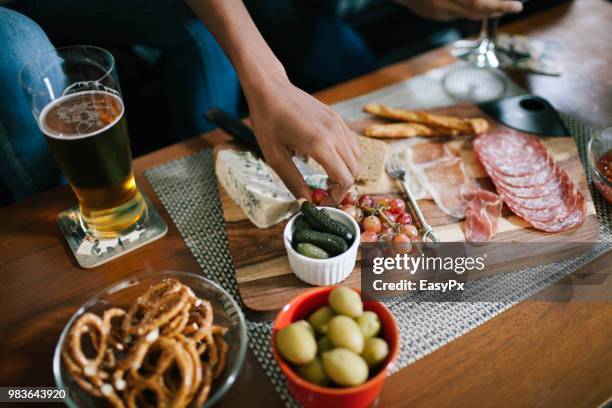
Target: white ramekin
<point x="324" y="272"/>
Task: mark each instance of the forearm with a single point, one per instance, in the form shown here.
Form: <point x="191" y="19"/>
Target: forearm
<point x="230" y="23"/>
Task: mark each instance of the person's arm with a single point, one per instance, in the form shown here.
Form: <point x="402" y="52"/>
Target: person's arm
<point x="451" y="9"/>
<point x="285" y="119"/>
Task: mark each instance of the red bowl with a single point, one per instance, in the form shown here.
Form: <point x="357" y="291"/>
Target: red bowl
<point x="312" y="395"/>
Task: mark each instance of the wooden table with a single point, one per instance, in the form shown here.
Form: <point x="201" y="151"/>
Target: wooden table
<point x="535" y="354"/>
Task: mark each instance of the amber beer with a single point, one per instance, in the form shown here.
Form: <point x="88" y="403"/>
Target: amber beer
<point x="87" y="133"/>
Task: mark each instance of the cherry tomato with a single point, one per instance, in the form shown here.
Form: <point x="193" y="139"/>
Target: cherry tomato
<point x="369" y="236"/>
<point x="397" y="206"/>
<point x="352" y="211"/>
<point x="317" y="195"/>
<point x="372" y="223"/>
<point x="349" y="198"/>
<point x="401" y="239"/>
<point x="366" y="200"/>
<point x="404" y="219"/>
<point x="410" y="230"/>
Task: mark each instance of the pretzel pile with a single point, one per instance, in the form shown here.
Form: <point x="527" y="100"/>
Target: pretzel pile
<point x="163" y="351"/>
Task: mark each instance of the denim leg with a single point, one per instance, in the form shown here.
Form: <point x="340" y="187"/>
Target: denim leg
<point x="26" y="164"/>
<point x="199" y="77"/>
<point x="198" y="74"/>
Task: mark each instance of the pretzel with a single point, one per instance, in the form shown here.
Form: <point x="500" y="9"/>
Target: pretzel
<point x="168" y="393"/>
<point x="164" y="347"/>
<point x="155" y="308"/>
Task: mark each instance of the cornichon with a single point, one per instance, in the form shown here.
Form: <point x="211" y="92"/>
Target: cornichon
<point x="321" y="221"/>
<point x="312" y="251"/>
<point x="332" y="244"/>
<point x="300" y="223"/>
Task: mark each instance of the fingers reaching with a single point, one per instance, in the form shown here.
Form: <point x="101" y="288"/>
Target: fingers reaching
<point x="476" y="9"/>
<point x="282" y="162"/>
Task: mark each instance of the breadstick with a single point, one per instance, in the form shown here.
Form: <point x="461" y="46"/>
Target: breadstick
<point x="401" y="130"/>
<point x="461" y="125"/>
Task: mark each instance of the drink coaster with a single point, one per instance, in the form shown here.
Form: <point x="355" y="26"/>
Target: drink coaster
<point x="91" y="252"/>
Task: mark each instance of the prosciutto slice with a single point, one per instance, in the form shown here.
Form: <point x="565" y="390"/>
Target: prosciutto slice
<point x="482" y="211"/>
<point x="444" y="180"/>
<point x="529" y="181"/>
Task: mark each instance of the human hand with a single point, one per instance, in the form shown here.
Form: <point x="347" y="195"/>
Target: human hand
<point x="445" y="10"/>
<point x="287" y="121"/>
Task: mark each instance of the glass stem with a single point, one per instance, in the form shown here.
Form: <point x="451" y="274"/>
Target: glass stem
<point x="489" y="28"/>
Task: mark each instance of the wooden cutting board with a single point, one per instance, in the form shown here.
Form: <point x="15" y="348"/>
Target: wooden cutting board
<point x="265" y="280"/>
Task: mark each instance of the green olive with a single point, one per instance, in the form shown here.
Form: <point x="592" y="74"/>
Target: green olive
<point x="344" y="367"/>
<point x="320" y="317"/>
<point x="345" y="301"/>
<point x="344" y="332"/>
<point x="313" y="372"/>
<point x="375" y="350"/>
<point x="368" y="323"/>
<point x="296" y="344"/>
<point x="306" y="325"/>
<point x="324" y="344"/>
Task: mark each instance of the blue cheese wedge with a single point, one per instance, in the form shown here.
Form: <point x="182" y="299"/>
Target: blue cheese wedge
<point x="255" y="187"/>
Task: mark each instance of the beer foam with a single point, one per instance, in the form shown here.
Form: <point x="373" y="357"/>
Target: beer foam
<point x="84" y="117"/>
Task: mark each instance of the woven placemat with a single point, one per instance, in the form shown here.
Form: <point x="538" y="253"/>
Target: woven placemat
<point x="187" y="188"/>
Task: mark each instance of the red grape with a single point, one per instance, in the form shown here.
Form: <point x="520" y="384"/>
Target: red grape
<point x="390" y="216"/>
<point x="404" y="219"/>
<point x="410" y="230"/>
<point x="366" y="200"/>
<point x="397" y="206"/>
<point x="401" y="239"/>
<point x="369" y="236"/>
<point x="317" y="195"/>
<point x="372" y="223"/>
<point x="386" y="230"/>
<point x="352" y="211"/>
<point x="383" y="202"/>
<point x="349" y="198"/>
<point x="385" y="237"/>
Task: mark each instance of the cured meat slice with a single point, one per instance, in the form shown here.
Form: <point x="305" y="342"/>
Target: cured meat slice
<point x="482" y="211"/>
<point x="414" y="157"/>
<point x="511" y="153"/>
<point x="516" y="177"/>
<point x="429" y="151"/>
<point x="539" y="177"/>
<point x="529" y="181"/>
<point x="552" y="184"/>
<point x="444" y="180"/>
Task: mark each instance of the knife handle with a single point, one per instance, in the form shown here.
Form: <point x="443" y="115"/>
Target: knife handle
<point x="234" y="127"/>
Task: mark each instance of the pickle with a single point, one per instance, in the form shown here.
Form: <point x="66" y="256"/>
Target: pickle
<point x="312" y="251"/>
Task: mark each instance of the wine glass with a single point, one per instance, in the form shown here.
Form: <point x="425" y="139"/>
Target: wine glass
<point x="480" y="80"/>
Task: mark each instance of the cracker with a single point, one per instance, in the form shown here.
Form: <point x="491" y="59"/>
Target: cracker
<point x="372" y="160"/>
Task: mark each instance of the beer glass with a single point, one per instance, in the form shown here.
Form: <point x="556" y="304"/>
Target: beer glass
<point x="75" y="97"/>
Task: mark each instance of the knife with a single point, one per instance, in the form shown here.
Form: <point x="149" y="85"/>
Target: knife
<point x="235" y="128"/>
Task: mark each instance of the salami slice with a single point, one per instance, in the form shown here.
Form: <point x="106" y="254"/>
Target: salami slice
<point x="529" y="181"/>
<point x="540" y="174"/>
<point x="511" y="153"/>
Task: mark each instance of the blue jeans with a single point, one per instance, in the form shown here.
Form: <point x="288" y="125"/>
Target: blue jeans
<point x="198" y="74"/>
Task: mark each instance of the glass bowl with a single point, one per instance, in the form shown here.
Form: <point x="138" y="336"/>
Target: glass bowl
<point x="600" y="144"/>
<point x="122" y="293"/>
